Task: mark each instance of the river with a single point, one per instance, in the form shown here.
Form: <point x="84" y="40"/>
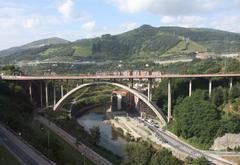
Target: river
<point x="110" y="139"/>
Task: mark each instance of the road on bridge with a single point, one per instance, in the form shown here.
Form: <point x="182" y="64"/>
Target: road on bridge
<point x="93" y="76"/>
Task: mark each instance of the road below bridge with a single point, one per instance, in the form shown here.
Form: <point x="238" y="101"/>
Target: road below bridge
<point x="25" y="153"/>
<point x="176" y="143"/>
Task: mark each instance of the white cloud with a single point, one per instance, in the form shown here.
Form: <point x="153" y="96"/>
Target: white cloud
<point x="66" y="8"/>
<point x="131" y="6"/>
<point x="166" y="7"/>
<point x="31" y="22"/>
<point x="168" y="20"/>
<point x="186" y="21"/>
<point x="230" y="23"/>
<point x="88" y="26"/>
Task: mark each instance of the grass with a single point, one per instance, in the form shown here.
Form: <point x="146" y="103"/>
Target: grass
<point x="6" y="158"/>
<point x="71" y="155"/>
<point x="184" y="47"/>
<point x="81" y="51"/>
<point x="66" y="153"/>
<point x="49" y="52"/>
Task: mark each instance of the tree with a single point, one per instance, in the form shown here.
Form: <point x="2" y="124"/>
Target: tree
<point x="95" y="135"/>
<point x="200" y="161"/>
<point x="137" y="154"/>
<point x="188" y="160"/>
<point x="235" y="92"/>
<point x="218" y="96"/>
<point x="164" y="157"/>
<point x="196" y="119"/>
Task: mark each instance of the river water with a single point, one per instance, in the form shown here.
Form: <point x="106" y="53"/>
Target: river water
<point x="110" y="139"/>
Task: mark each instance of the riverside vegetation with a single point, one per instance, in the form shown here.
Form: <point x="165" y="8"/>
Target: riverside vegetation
<point x="216" y="111"/>
<point x="200" y="119"/>
<point x="16" y="112"/>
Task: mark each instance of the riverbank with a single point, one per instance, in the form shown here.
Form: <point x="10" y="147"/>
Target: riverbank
<point x="134" y="127"/>
<point x="77" y="113"/>
<point x="83" y="149"/>
<point x="71" y="126"/>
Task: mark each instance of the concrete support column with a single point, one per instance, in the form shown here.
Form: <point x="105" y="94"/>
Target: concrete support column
<point x="54" y="93"/>
<point x="62" y="92"/>
<point x="67" y="87"/>
<point x="190" y="88"/>
<point x="150" y="90"/>
<point x="169" y="101"/>
<point x="46" y="93"/>
<point x="230" y="84"/>
<point x="131" y="82"/>
<point x="41" y="95"/>
<point x="210" y="87"/>
<point x="82" y="81"/>
<point x="30" y="91"/>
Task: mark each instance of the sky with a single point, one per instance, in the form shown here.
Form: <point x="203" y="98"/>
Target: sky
<point x="23" y="21"/>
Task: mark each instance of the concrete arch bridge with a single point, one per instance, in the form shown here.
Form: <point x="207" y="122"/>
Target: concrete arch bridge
<point x="145" y="99"/>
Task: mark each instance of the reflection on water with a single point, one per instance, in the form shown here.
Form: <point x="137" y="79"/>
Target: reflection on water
<point x="110" y="139"/>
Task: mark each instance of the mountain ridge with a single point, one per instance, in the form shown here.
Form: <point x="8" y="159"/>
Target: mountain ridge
<point x="145" y="42"/>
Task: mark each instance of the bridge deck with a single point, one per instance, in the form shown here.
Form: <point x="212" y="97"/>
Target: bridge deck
<point x="76" y="77"/>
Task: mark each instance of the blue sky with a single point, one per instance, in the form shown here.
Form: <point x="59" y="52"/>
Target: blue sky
<point x="23" y="21"/>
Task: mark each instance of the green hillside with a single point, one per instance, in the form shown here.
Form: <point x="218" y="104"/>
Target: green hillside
<point x="214" y="40"/>
<point x="145" y="42"/>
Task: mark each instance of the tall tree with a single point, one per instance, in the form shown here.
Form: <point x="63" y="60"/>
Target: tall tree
<point x="137" y="154"/>
<point x="95" y="134"/>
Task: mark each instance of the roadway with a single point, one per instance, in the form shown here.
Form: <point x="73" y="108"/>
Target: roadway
<point x="176" y="143"/>
<point x="25" y="154"/>
<point x="83" y="149"/>
<point x="93" y="76"/>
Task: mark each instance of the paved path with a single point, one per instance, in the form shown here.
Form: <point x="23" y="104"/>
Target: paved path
<point x="25" y="153"/>
<point x="89" y="153"/>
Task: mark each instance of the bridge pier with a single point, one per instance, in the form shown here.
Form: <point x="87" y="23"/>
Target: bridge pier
<point x="46" y="93"/>
<point x="54" y="93"/>
<point x="149" y="89"/>
<point x="230" y="84"/>
<point x="62" y="92"/>
<point x="41" y="95"/>
<point x="30" y="91"/>
<point x="210" y="88"/>
<point x="190" y="88"/>
<point x="131" y="82"/>
<point x="169" y="102"/>
<point x="67" y="86"/>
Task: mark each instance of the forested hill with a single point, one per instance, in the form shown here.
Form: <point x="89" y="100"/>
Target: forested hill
<point x="145" y="42"/>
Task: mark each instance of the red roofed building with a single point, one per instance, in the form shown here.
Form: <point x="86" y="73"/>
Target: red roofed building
<point x="122" y="100"/>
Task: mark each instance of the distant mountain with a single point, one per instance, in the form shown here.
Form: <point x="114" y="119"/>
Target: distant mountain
<point x="145" y="42"/>
<point x="45" y="42"/>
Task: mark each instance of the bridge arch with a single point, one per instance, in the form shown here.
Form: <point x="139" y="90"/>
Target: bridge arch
<point x="153" y="107"/>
